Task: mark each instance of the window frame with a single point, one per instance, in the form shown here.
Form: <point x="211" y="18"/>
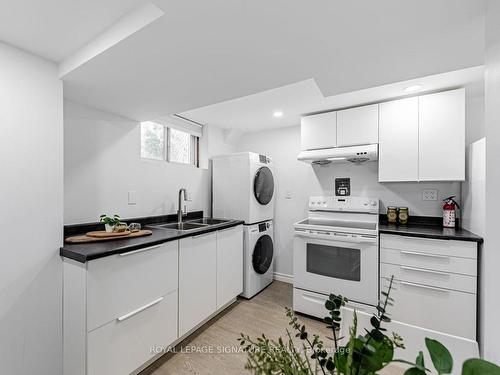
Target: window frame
<point x="194" y="154"/>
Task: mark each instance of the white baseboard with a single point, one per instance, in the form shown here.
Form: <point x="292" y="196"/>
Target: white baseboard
<point x="283" y="277"/>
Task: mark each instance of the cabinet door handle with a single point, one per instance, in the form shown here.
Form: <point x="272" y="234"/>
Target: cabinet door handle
<point x="424" y="271"/>
<point x="414" y="253"/>
<point x="140" y="309"/>
<point x="140" y="250"/>
<point x="424" y="287"/>
<point x="202" y="235"/>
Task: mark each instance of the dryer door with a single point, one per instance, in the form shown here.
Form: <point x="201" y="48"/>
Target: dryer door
<point x="263" y="185"/>
<point x="262" y="256"/>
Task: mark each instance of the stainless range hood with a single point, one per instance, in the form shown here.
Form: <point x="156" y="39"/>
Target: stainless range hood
<point x="352" y="154"/>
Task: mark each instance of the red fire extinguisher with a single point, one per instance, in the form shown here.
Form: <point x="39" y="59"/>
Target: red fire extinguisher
<point x="449" y="212"/>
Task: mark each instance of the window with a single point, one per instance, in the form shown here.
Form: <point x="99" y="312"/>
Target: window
<point x="161" y="142"/>
<point x="152" y="141"/>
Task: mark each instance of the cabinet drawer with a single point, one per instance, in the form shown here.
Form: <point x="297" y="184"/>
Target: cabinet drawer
<point x="436" y="262"/>
<point x="433" y="308"/>
<point x="120" y="283"/>
<point x="452" y="281"/>
<point x="462" y="249"/>
<point x="121" y="347"/>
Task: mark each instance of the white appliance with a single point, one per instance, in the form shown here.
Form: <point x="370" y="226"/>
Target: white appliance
<point x="258" y="257"/>
<point x="336" y="251"/>
<point x="353" y="154"/>
<point x="243" y="187"/>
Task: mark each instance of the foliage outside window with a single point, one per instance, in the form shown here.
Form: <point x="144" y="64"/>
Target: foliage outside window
<point x="160" y="142"/>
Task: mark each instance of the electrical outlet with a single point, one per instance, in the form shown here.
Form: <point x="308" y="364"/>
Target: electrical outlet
<point x="430" y="195"/>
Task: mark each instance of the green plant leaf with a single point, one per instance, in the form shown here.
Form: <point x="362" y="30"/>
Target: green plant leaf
<point x="440" y="356"/>
<point x="414" y="371"/>
<point x="419" y="361"/>
<point x="476" y="366"/>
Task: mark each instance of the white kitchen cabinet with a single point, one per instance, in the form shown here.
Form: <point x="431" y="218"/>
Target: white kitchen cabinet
<point x="115" y="308"/>
<point x="442" y="136"/>
<point x="357" y="126"/>
<point x="197" y="280"/>
<point x="398" y="140"/>
<point x="318" y="131"/>
<point x="229" y="265"/>
<point x="436" y="283"/>
<point x="123" y="345"/>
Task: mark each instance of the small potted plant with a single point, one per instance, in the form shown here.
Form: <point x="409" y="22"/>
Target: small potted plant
<point x="110" y="222"/>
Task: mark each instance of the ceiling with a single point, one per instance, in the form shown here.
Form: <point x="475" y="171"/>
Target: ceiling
<point x="54" y="29"/>
<point x="200" y="53"/>
<point x="255" y="112"/>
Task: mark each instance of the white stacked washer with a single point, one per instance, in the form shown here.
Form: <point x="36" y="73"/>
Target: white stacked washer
<point x="243" y="189"/>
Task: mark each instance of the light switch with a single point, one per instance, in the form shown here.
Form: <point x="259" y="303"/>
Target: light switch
<point x="132" y="197"/>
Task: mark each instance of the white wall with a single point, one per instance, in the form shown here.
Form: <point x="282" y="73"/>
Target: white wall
<point x="31" y="172"/>
<point x="490" y="304"/>
<point x="102" y="164"/>
<point x="301" y="180"/>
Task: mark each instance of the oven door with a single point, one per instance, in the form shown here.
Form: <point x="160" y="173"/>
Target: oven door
<point x="338" y="263"/>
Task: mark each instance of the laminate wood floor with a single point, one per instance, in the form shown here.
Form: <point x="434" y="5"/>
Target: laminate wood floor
<point x="214" y="349"/>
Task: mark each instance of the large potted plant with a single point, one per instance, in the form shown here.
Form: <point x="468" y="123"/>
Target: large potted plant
<point x="364" y="354"/>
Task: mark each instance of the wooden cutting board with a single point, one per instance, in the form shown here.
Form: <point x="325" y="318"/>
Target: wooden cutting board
<point x="87" y="239"/>
<point x="104" y="234"/>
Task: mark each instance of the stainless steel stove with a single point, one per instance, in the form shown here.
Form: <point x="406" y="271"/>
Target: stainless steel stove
<point x="336" y="251"/>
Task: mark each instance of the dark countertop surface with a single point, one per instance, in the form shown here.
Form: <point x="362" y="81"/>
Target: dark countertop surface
<point x="88" y="251"/>
<point x="429" y="231"/>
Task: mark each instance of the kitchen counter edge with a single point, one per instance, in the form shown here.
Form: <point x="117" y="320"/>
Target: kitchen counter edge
<point x="429" y="231"/>
<point x="90" y="251"/>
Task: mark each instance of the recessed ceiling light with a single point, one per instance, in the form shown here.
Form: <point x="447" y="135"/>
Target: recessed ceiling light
<point x="278" y="114"/>
<point x="413" y="88"/>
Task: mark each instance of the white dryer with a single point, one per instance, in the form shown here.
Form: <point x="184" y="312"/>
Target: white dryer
<point x="243" y="187"/>
<point x="258" y="257"/>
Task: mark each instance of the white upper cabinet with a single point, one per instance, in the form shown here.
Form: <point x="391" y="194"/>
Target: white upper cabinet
<point x="442" y="136"/>
<point x="318" y="131"/>
<point x="398" y="144"/>
<point x="357" y="126"/>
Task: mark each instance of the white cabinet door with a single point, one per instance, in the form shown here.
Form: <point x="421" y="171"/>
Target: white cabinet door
<point x="398" y="141"/>
<point x="124" y="344"/>
<point x="357" y="126"/>
<point x="442" y="136"/>
<point x="318" y="131"/>
<point x="197" y="280"/>
<point x="229" y="264"/>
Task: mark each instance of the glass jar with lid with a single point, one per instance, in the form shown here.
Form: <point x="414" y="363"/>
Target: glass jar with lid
<point x="403" y="215"/>
<point x="392" y="214"/>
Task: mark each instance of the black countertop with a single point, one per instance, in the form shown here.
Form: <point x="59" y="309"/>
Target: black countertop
<point x="88" y="251"/>
<point x="428" y="228"/>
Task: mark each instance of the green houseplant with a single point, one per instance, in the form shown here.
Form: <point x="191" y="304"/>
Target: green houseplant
<point x="364" y="354"/>
<point x="109" y="222"/>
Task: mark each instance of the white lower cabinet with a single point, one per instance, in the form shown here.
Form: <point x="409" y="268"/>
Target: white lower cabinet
<point x="197" y="280"/>
<point x="117" y="307"/>
<point x="122" y="346"/>
<point x="435" y="283"/>
<point x="118" y="310"/>
<point x="229" y="265"/>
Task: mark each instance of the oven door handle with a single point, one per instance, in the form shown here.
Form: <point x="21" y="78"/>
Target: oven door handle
<point x="337" y="237"/>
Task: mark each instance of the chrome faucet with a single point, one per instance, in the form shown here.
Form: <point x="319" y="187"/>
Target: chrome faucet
<point x="180" y="210"/>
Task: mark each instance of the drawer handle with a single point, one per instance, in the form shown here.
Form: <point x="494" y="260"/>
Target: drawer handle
<point x="314" y="299"/>
<point x="202" y="235"/>
<point x="424" y="287"/>
<point x="140" y="250"/>
<point x="140" y="309"/>
<point x="424" y="271"/>
<point x="424" y="255"/>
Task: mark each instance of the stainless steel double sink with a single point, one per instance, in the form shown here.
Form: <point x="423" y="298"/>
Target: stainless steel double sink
<point x="190" y="224"/>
